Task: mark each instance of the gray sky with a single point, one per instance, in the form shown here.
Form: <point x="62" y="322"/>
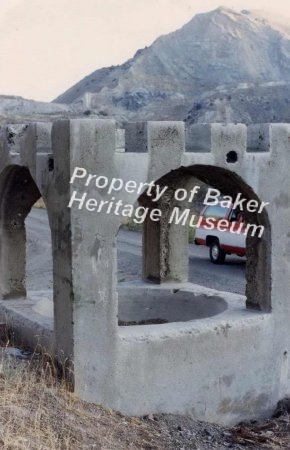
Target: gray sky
<point x="48" y="45"/>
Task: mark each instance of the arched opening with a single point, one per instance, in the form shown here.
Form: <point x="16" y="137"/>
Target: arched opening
<point x="168" y="238"/>
<point x="165" y="253"/>
<point x="21" y="252"/>
<point x="18" y="193"/>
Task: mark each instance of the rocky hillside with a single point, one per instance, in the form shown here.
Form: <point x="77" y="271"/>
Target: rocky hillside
<point x="247" y="103"/>
<point x="217" y="55"/>
<point x="14" y="109"/>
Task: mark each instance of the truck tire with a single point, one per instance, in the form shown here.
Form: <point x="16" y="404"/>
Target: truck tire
<point x="216" y="254"/>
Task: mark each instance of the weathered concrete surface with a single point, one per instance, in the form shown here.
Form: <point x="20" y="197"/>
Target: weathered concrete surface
<point x="202" y="339"/>
<point x="139" y="302"/>
<point x="224" y="368"/>
<point x="32" y="324"/>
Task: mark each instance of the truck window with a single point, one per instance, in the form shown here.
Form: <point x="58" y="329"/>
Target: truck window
<point x="216" y="212"/>
<point x="236" y="215"/>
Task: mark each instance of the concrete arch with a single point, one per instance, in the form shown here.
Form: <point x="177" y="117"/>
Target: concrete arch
<point x="18" y="193"/>
<point x="164" y="244"/>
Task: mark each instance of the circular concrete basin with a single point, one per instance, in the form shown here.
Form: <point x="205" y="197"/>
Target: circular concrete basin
<point x="145" y="306"/>
<point x="141" y="305"/>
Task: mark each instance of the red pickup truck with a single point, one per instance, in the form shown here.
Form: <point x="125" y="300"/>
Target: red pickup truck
<point x="222" y="230"/>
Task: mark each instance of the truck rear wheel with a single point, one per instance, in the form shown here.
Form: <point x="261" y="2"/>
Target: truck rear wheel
<point x="216" y="254"/>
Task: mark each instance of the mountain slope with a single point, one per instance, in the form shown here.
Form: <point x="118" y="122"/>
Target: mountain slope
<point x="17" y="109"/>
<point x="222" y="47"/>
<point x="247" y="103"/>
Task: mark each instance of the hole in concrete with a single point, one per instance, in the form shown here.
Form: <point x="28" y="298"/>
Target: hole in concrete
<point x="232" y="157"/>
<point x="50" y="164"/>
<point x="140" y="305"/>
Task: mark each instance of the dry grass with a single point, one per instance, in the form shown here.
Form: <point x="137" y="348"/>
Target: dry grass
<point x="38" y="412"/>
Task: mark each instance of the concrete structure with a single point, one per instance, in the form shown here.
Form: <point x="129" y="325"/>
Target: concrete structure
<point x="229" y="360"/>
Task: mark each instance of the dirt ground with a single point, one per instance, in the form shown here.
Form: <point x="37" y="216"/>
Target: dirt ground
<point x="39" y="413"/>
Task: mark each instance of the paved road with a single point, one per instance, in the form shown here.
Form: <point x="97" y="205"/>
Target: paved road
<point x="229" y="277"/>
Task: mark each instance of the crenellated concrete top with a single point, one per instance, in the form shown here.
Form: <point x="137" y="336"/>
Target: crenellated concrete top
<point x="134" y="137"/>
<point x="146" y="151"/>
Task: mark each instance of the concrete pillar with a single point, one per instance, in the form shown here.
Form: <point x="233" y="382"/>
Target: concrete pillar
<point x="85" y="263"/>
<point x="4" y="149"/>
<point x="13" y="262"/>
<point x="165" y="250"/>
<point x="36" y="140"/>
<point x="151" y="251"/>
<point x="178" y="252"/>
<point x="163" y="260"/>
